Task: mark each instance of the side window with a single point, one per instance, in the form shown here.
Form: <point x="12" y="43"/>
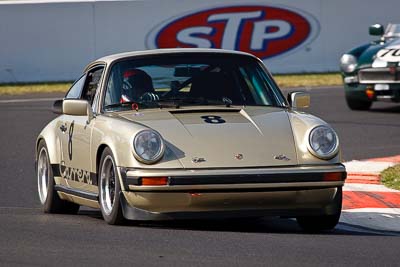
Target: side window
<point x="114" y="87"/>
<point x="75" y="91"/>
<point x="92" y="84"/>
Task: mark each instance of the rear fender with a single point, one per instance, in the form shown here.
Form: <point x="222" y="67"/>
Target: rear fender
<point x="48" y="134"/>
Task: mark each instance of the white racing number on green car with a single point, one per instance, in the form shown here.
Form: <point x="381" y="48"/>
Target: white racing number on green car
<point x="389" y="54"/>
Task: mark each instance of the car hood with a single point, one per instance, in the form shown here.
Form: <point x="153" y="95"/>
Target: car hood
<point x="206" y="137"/>
<point x="367" y="57"/>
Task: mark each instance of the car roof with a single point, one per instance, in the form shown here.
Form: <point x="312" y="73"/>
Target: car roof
<point x="164" y="51"/>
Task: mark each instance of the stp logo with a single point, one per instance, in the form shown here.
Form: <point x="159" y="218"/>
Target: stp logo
<point x="264" y="31"/>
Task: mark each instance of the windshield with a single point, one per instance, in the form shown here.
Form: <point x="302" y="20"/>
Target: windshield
<point x="189" y="79"/>
<point x="392" y="30"/>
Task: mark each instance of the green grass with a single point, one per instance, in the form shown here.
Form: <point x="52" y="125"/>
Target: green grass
<point x="19" y="89"/>
<point x="284" y="80"/>
<point x="308" y="79"/>
<point x="391" y="177"/>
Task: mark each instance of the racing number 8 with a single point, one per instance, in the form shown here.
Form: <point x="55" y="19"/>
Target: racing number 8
<point x="70" y="133"/>
<point x="213" y="119"/>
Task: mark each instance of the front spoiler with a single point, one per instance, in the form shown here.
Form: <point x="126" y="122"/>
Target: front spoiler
<point x="356" y="91"/>
<point x="137" y="214"/>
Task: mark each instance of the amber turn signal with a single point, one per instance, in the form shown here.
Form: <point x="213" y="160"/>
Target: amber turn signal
<point x="370" y="93"/>
<point x="154" y="180"/>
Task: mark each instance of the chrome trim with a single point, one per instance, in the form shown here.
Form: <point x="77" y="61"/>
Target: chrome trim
<point x="385" y="98"/>
<point x="379" y="81"/>
<point x="384" y="73"/>
<point x="145" y="172"/>
<point x="351" y="79"/>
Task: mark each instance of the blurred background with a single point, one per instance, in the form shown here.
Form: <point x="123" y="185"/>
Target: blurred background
<point x="53" y="40"/>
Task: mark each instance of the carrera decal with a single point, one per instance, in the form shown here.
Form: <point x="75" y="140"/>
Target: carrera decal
<point x="263" y="30"/>
<point x="389" y="54"/>
<point x="77" y="175"/>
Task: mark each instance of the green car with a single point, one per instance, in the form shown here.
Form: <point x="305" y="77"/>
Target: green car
<point x="371" y="72"/>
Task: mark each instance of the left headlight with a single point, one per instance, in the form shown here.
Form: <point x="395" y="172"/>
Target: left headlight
<point x="148" y="146"/>
<point x="348" y="63"/>
<point x="323" y="142"/>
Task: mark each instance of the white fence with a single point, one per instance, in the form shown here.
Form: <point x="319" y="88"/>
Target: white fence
<point x="54" y="40"/>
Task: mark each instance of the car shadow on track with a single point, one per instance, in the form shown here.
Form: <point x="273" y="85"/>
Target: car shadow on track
<point x="390" y="109"/>
<point x="274" y="225"/>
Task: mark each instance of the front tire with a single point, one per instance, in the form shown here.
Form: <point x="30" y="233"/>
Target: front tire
<point x="354" y="104"/>
<point x="109" y="189"/>
<point x="48" y="197"/>
<point x="322" y="222"/>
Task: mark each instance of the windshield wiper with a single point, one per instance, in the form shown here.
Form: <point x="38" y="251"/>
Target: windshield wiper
<point x="117" y="105"/>
<point x="130" y="103"/>
<point x="177" y="102"/>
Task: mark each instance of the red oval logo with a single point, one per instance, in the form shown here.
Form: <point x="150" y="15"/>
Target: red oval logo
<point x="264" y="31"/>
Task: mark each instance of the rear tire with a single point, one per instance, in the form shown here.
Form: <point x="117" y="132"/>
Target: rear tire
<point x="322" y="222"/>
<point x="109" y="189"/>
<point x="48" y="197"/>
<point x="357" y="104"/>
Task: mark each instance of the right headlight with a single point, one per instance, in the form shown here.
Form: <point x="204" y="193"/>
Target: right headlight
<point x="348" y="63"/>
<point x="323" y="142"/>
<point x="148" y="146"/>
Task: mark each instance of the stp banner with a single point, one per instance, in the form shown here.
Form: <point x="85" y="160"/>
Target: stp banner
<point x="263" y="30"/>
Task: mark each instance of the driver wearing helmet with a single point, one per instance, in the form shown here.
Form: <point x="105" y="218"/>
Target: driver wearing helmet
<point x="137" y="87"/>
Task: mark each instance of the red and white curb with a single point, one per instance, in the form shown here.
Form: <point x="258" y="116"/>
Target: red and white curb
<point x="366" y="202"/>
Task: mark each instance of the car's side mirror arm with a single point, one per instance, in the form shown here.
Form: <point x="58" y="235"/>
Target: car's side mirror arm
<point x="57" y="106"/>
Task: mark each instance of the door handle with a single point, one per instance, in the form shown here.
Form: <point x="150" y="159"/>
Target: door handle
<point x="63" y="128"/>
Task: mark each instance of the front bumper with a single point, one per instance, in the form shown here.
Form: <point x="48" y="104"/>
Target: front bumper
<point x="358" y="92"/>
<point x="224" y="193"/>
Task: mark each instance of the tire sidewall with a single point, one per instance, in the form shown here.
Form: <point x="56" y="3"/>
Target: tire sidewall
<point x="50" y="183"/>
<point x="115" y="216"/>
<point x="357" y="104"/>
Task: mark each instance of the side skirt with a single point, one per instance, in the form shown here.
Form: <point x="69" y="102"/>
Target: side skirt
<point x="76" y="192"/>
<point x="78" y="196"/>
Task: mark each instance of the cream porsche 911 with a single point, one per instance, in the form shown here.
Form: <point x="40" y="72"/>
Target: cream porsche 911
<point x="188" y="134"/>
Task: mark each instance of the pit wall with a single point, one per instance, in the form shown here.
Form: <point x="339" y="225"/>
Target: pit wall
<point x="54" y="40"/>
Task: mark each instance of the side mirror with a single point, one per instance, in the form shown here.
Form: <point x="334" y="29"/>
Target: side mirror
<point x="58" y="106"/>
<point x="77" y="107"/>
<point x="376" y="29"/>
<point x="299" y="99"/>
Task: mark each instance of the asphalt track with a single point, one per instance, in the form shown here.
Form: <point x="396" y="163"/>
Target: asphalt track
<point x="29" y="237"/>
